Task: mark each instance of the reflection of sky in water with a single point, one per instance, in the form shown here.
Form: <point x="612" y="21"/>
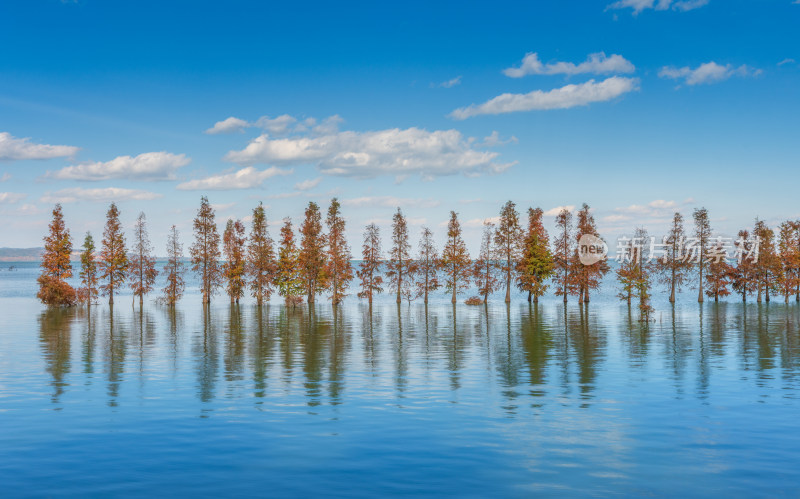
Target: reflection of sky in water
<point x="467" y="401"/>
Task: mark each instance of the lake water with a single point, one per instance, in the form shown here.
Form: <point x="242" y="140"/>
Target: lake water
<point x="455" y="401"/>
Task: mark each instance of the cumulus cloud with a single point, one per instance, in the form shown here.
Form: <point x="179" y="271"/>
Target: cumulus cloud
<point x="147" y="166"/>
<point x="559" y="98"/>
<point x="107" y="194"/>
<point x="278" y="126"/>
<point x="12" y="148"/>
<point x="11" y="197"/>
<point x="389" y="202"/>
<point x="596" y="63"/>
<point x="639" y="5"/>
<point x="707" y="73"/>
<point x="555" y="211"/>
<point x="228" y="125"/>
<point x="246" y="178"/>
<point x="371" y="154"/>
<point x="307" y="184"/>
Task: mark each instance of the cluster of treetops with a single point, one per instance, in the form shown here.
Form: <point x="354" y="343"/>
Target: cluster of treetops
<point x="511" y="254"/>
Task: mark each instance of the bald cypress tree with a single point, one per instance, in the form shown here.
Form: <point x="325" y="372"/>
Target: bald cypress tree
<point x="56" y="265"/>
<point x="261" y="264"/>
<point x="702" y="233"/>
<point x="312" y="252"/>
<point x="205" y="250"/>
<point x="142" y="268"/>
<point x="536" y="264"/>
<point x="563" y="253"/>
<point x="428" y="265"/>
<point x="88" y="274"/>
<point x="369" y="269"/>
<point x="174" y="268"/>
<point x="455" y="259"/>
<point x="338" y="269"/>
<point x="507" y="241"/>
<point x="399" y="255"/>
<point x="233" y="241"/>
<point x="113" y="262"/>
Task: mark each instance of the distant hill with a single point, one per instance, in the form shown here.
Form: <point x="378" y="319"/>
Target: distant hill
<point x="20" y="254"/>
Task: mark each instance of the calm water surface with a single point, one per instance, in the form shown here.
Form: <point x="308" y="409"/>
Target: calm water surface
<point x="467" y="401"/>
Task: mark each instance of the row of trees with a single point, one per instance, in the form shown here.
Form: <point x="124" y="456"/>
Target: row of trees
<point x="512" y="254"/>
<point x="764" y="265"/>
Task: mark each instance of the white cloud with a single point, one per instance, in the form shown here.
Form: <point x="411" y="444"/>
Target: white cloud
<point x="788" y="60"/>
<point x="555" y="211"/>
<point x="12" y="148"/>
<point x="228" y="125"/>
<point x="616" y="218"/>
<point x="107" y="194"/>
<point x="147" y="166"/>
<point x="276" y="126"/>
<point x="709" y="72"/>
<point x="389" y="202"/>
<point x="307" y="184"/>
<point x="11" y="197"/>
<point x="478" y="222"/>
<point x="559" y="98"/>
<point x="494" y="140"/>
<point x="6" y="177"/>
<point x="596" y="63"/>
<point x="246" y="178"/>
<point x="449" y="83"/>
<point x="371" y="154"/>
<point x="222" y="206"/>
<point x="639" y="5"/>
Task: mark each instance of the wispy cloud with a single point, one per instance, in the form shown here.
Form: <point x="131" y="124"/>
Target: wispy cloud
<point x="559" y="98"/>
<point x="278" y="126"/>
<point x="307" y="184"/>
<point x="12" y="148"/>
<point x="449" y="83"/>
<point x="148" y="166"/>
<point x="707" y="73"/>
<point x="389" y="202"/>
<point x="11" y="197"/>
<point x="228" y="125"/>
<point x="639" y="5"/>
<point x="596" y="63"/>
<point x="788" y="60"/>
<point x="246" y="178"/>
<point x="555" y="211"/>
<point x="394" y="151"/>
<point x="107" y="194"/>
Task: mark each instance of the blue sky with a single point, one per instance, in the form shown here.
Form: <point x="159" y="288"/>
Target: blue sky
<point x="637" y="107"/>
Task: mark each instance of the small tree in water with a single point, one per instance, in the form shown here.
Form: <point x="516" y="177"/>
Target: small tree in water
<point x="261" y="264"/>
<point x="484" y="268"/>
<point x="369" y="269"/>
<point x="507" y="240"/>
<point x="455" y="259"/>
<point x="287" y="279"/>
<point x="205" y="250"/>
<point x="113" y="262"/>
<point x="719" y="272"/>
<point x="142" y="267"/>
<point x="174" y="268"/>
<point x="399" y="255"/>
<point x="312" y="252"/>
<point x="233" y="240"/>
<point x="88" y="274"/>
<point x="338" y="269"/>
<point x="428" y="265"/>
<point x="673" y="266"/>
<point x="56" y="266"/>
<point x="535" y="265"/>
